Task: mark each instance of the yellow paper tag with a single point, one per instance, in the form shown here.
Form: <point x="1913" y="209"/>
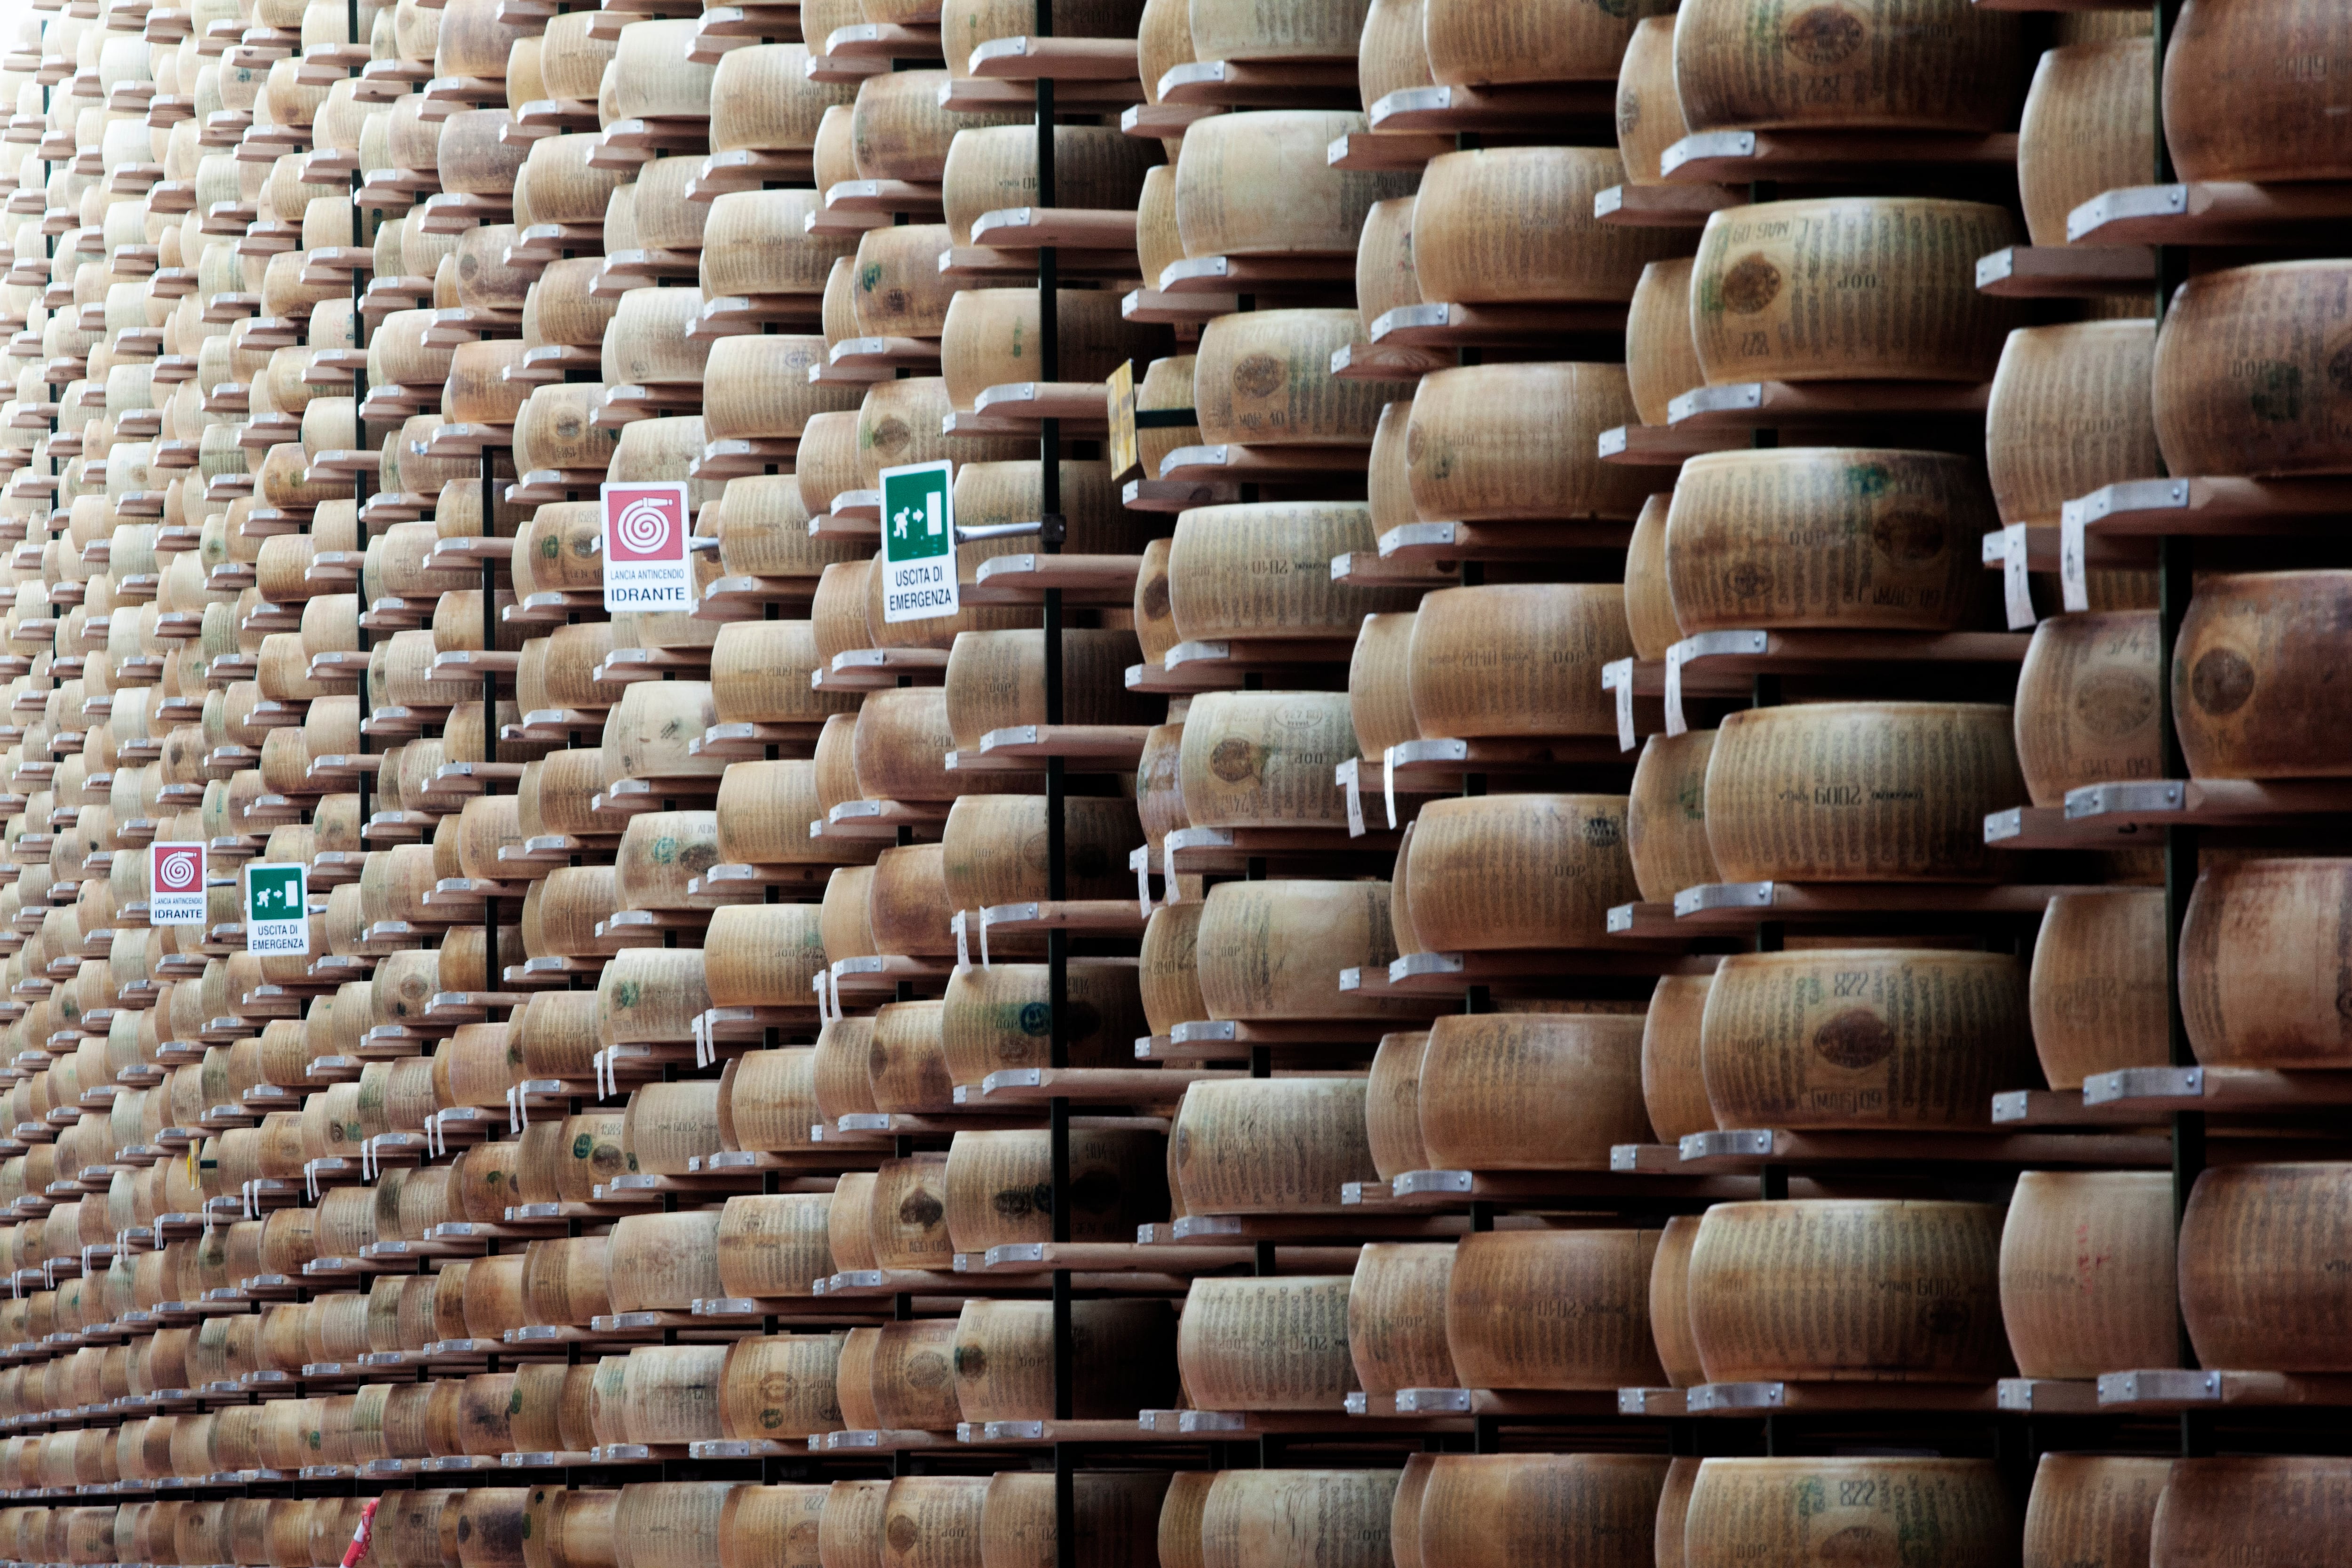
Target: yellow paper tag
<point x="1125" y="457"/>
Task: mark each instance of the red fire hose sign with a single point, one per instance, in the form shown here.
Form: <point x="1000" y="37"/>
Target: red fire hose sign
<point x="645" y="547"/>
<point x="175" y="878"/>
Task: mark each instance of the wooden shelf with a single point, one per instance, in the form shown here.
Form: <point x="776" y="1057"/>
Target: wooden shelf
<point x="2067" y="271"/>
<point x="1442" y="978"/>
<point x="1748" y="1149"/>
<point x="1055" y="59"/>
<point x="1535" y="327"/>
<point x="1666" y="446"/>
<point x="1154" y="307"/>
<point x="1661" y="206"/>
<point x="1528" y="107"/>
<point x="1755" y="1399"/>
<point x="1194" y="850"/>
<point x="2157" y="1091"/>
<point x="2099" y="816"/>
<point x="2209" y="212"/>
<point x="1778" y="405"/>
<point x="1499" y="541"/>
<point x="1261" y="84"/>
<point x="1334" y="275"/>
<point x="1242" y="464"/>
<point x="1739" y="907"/>
<point x="1738" y="157"/>
<point x="2057" y="1108"/>
<point x="1387" y="151"/>
<point x="1385" y="362"/>
<point x="1032" y="228"/>
<point x="2161" y="1389"/>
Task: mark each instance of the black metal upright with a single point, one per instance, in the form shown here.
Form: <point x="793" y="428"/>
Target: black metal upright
<point x="1057" y="946"/>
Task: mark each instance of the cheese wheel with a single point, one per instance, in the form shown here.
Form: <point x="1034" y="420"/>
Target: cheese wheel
<point x="1666" y="815"/>
<point x="2092" y="1509"/>
<point x="2087" y="1273"/>
<point x="906" y="1068"/>
<point x="1862" y="792"/>
<point x="1848" y="288"/>
<point x="2242" y="384"/>
<point x="1811" y="1512"/>
<point x="2096" y="994"/>
<point x="764" y="97"/>
<point x="1258" y="1519"/>
<point x="1864" y="1037"/>
<point x="900" y="423"/>
<point x="1158" y="244"/>
<point x="1518" y="871"/>
<point x="2212" y="1510"/>
<point x="1263" y="570"/>
<point x="1159" y="791"/>
<point x="1257" y="183"/>
<point x="990" y="337"/>
<point x="1821" y="536"/>
<point x="1649" y="106"/>
<point x="1263" y="377"/>
<point x="1253" y="759"/>
<point x="740" y="252"/>
<point x="1849" y="1289"/>
<point x="2260" y="947"/>
<point x="1649" y="603"/>
<point x="1266" y="1345"/>
<point x="1003" y="1354"/>
<point x="1167" y="384"/>
<point x="1514" y="225"/>
<point x="1476" y="43"/>
<point x="908" y="1212"/>
<point x="1379" y="700"/>
<point x="2070" y="411"/>
<point x="2087" y="127"/>
<point x="1516" y="660"/>
<point x="994" y="849"/>
<point x="773" y="1525"/>
<point x="764" y="529"/>
<point x="665" y="1262"/>
<point x="2249" y="696"/>
<point x="1670" y="1327"/>
<point x="2245" y="83"/>
<point x="1946" y="66"/>
<point x="670" y="1393"/>
<point x="1661" y="358"/>
<point x="1270" y="1145"/>
<point x="1168" y="970"/>
<point x="995" y="166"/>
<point x="760" y="673"/>
<point x="901" y="133"/>
<point x="1673" y="1085"/>
<point x="1389" y="54"/>
<point x="1392" y="1105"/>
<point x="758" y="388"/>
<point x="667" y="1521"/>
<point x="1553" y="1309"/>
<point x="900" y="748"/>
<point x="1543" y="1511"/>
<point x="2088" y="701"/>
<point x="1519" y="441"/>
<point x="1308" y="30"/>
<point x="1531" y="1092"/>
<point x="1396" y="1317"/>
<point x="1000" y="1186"/>
<point x="997" y="1016"/>
<point x="775" y="1245"/>
<point x="1386" y="277"/>
<point x="1388" y="479"/>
